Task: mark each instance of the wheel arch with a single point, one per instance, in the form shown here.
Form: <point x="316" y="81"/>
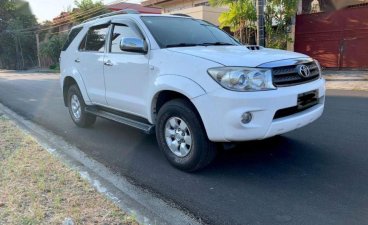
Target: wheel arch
<point x="169" y="87"/>
<point x="70" y="80"/>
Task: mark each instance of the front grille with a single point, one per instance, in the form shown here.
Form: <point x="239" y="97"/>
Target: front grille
<point x="291" y="111"/>
<point x="288" y="75"/>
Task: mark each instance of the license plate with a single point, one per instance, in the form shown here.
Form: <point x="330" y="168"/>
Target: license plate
<point x="307" y="99"/>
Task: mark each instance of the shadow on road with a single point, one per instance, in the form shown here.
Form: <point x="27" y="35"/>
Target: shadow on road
<point x="313" y="175"/>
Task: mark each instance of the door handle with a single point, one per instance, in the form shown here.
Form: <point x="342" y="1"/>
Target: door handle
<point x="108" y="63"/>
<point x="77" y="60"/>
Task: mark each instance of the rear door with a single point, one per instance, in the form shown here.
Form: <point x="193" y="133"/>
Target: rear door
<point x="90" y="60"/>
<point x="126" y="73"/>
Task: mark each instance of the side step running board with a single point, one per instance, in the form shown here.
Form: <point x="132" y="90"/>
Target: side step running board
<point x="147" y="128"/>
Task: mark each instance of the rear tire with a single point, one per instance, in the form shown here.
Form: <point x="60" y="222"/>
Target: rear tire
<point x="77" y="108"/>
<point x="182" y="137"/>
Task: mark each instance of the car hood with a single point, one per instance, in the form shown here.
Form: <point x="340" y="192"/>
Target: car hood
<point x="237" y="55"/>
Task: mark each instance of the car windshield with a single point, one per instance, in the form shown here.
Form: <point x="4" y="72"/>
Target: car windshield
<point x="185" y="32"/>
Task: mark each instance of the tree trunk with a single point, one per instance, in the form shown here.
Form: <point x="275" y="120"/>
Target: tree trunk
<point x="21" y="54"/>
<point x="260" y="23"/>
<point x="16" y="53"/>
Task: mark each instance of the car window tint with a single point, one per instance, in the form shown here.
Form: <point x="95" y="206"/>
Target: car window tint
<point x="178" y="30"/>
<point x="119" y="32"/>
<point x="95" y="39"/>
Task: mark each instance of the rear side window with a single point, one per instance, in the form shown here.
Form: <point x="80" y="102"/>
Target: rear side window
<point x="72" y="34"/>
<point x="95" y="39"/>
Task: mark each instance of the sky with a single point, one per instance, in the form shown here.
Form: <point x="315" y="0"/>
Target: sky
<point x="49" y="9"/>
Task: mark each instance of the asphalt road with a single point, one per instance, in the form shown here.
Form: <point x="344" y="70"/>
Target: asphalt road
<point x="314" y="175"/>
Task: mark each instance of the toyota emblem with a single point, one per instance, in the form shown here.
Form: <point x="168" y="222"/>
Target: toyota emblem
<point x="303" y="70"/>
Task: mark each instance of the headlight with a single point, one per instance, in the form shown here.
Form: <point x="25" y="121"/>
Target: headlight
<point x="319" y="68"/>
<point x="243" y="78"/>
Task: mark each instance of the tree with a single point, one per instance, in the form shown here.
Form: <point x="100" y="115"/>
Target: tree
<point x="277" y="20"/>
<point x="87" y="9"/>
<point x="260" y="5"/>
<point x="51" y="48"/>
<point x="17" y="47"/>
<point x="242" y="17"/>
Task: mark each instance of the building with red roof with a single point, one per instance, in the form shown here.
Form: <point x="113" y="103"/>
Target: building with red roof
<point x="63" y="21"/>
<point x="137" y="7"/>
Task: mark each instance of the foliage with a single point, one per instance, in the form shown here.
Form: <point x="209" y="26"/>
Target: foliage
<point x="6" y="9"/>
<point x="52" y="47"/>
<point x="277" y="19"/>
<point x="87" y="9"/>
<point x="241" y="17"/>
<point x="17" y="49"/>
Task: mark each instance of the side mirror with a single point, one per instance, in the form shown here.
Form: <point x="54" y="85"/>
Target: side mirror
<point x="133" y="45"/>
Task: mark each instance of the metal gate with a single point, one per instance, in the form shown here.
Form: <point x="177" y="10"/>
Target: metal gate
<point x="337" y="39"/>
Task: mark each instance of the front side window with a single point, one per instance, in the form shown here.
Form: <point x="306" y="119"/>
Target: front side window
<point x="181" y="32"/>
<point x="95" y="39"/>
<point x="119" y="32"/>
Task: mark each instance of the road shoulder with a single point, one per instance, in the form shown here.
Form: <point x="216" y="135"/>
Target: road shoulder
<point x="353" y="80"/>
<point x="36" y="188"/>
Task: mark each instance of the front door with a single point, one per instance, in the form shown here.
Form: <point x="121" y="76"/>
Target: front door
<point x="89" y="60"/>
<point x="126" y="73"/>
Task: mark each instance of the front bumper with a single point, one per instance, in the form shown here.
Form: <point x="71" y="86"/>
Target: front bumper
<point x="221" y="112"/>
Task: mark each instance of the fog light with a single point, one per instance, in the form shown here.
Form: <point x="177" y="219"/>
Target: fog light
<point x="246" y="117"/>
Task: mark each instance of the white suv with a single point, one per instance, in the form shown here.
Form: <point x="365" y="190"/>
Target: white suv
<point x="188" y="81"/>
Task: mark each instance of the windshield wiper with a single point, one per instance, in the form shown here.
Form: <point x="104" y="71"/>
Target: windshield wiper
<point x="216" y="43"/>
<point x="181" y="45"/>
<point x="193" y="44"/>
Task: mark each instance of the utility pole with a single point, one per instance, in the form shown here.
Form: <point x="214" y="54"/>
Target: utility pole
<point x="38" y="49"/>
<point x="260" y="23"/>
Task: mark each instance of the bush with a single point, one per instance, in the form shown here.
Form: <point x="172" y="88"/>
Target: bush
<point x="52" y="46"/>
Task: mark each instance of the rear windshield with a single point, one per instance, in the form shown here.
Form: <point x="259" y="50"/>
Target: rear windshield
<point x="181" y="32"/>
<point x="72" y="34"/>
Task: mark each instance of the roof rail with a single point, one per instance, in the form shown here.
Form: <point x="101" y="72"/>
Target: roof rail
<point x="124" y="11"/>
<point x="180" y="14"/>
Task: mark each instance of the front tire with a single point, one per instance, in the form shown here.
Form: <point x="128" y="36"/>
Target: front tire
<point x="182" y="137"/>
<point x="77" y="108"/>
